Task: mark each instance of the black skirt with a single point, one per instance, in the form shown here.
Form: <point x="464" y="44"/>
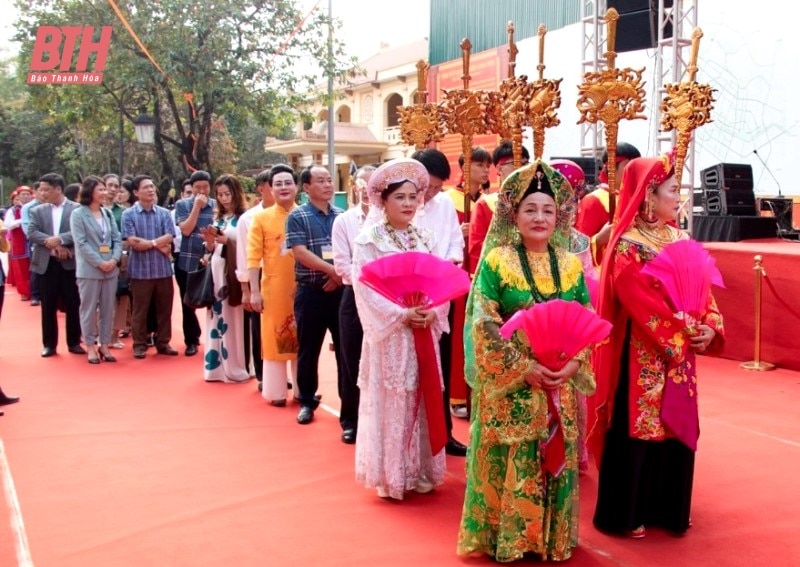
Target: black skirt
<point x="642" y="483"/>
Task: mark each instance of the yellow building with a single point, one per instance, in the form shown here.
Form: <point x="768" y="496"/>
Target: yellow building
<point x="366" y="127"/>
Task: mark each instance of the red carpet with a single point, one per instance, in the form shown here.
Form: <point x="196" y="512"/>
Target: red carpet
<point x="779" y="343"/>
<point x="142" y="463"/>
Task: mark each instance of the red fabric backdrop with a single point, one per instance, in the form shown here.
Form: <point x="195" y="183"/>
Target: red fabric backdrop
<point x="780" y="339"/>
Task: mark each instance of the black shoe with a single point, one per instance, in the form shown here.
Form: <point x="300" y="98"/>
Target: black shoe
<point x="35" y="303"/>
<point x="305" y="416"/>
<point x="6" y="400"/>
<point x="139" y="352"/>
<point x="349" y="436"/>
<point x="168" y="350"/>
<point x="455" y="448"/>
<point x="76" y="349"/>
<point x="47" y="352"/>
<point x="260" y="386"/>
<point x="317" y="397"/>
<point x="151" y="340"/>
<point x="191" y="350"/>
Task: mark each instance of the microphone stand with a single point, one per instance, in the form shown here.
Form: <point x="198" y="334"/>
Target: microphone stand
<point x="766" y="167"/>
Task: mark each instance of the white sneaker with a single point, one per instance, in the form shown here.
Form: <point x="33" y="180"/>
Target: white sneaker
<point x="459" y="410"/>
<point x="423" y="485"/>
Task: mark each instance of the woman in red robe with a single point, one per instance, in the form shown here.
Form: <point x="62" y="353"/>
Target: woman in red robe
<point x="646" y="469"/>
<point x="19" y="262"/>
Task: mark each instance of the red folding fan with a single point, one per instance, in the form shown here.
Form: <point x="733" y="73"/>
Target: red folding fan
<point x="415" y="279"/>
<point x="557" y="330"/>
<point x="687" y="271"/>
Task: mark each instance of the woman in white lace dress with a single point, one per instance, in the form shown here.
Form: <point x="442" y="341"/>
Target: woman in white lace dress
<point x="393" y="453"/>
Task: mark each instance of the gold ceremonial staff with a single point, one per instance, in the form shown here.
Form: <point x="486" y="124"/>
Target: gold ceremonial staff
<point x="422" y="122"/>
<point x="505" y="113"/>
<point x="508" y="112"/>
<point x="545" y="100"/>
<point x="609" y="96"/>
<point x="465" y="114"/>
<point x="686" y="106"/>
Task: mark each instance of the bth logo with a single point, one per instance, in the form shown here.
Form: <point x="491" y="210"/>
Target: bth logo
<point x="55" y="47"/>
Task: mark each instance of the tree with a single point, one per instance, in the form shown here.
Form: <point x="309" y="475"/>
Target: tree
<point x="231" y="59"/>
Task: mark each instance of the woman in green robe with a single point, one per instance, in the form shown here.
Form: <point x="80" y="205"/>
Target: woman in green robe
<point x="512" y="505"/>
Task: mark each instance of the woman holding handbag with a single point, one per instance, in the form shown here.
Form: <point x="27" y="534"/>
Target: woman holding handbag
<point x="98" y="249"/>
<point x="224" y="359"/>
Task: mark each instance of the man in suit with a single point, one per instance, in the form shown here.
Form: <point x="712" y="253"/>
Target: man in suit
<point x="53" y="259"/>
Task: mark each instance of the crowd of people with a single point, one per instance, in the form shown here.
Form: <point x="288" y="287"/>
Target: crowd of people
<point x="285" y="275"/>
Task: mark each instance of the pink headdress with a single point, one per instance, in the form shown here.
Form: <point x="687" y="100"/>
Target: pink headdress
<point x="571" y="171"/>
<point x="396" y="171"/>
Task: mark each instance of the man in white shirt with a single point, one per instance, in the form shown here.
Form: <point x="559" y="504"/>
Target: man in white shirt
<point x="252" y="319"/>
<point x="345" y="228"/>
<point x="439" y="216"/>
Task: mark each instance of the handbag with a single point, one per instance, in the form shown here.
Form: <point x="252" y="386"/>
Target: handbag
<point x="199" y="288"/>
<point x="123" y="281"/>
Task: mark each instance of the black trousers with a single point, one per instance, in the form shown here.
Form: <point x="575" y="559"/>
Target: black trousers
<point x="316" y="312"/>
<point x="252" y="342"/>
<point x="191" y="326"/>
<point x="445" y="350"/>
<point x="351" y="335"/>
<point x="57" y="286"/>
<point x="34" y="279"/>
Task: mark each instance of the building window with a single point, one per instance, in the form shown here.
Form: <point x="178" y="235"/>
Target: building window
<point x="343" y="114"/>
<point x="392" y="116"/>
<point x="366" y="109"/>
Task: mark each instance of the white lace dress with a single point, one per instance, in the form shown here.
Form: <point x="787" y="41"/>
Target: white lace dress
<point x="392" y="449"/>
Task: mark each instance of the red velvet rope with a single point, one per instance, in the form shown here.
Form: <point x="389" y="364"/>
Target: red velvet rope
<point x="779" y="298"/>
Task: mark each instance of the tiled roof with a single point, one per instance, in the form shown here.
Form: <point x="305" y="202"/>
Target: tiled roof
<point x="389" y="58"/>
<point x="344" y="132"/>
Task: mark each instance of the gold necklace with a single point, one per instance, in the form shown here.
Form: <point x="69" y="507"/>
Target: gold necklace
<point x="658" y="236"/>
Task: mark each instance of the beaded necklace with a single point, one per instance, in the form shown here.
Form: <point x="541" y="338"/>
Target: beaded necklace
<point x="412" y="234"/>
<point x="538" y="296"/>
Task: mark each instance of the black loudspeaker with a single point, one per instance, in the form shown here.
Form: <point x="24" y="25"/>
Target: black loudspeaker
<point x="733" y="182"/>
<point x="780" y="208"/>
<point x="590" y="166"/>
<point x="708" y="202"/>
<point x="637" y="27"/>
<point x="736" y="176"/>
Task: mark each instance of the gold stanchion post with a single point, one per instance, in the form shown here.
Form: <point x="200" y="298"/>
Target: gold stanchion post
<point x="757" y="364"/>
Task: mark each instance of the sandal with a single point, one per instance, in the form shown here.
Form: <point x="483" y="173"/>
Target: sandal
<point x="637" y="533"/>
<point x="117" y="345"/>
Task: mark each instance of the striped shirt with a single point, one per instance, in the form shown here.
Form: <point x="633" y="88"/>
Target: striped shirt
<point x="138" y="221"/>
<point x="310" y="227"/>
<point x="192" y="246"/>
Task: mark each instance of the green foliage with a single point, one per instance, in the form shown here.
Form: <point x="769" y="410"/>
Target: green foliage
<point x="234" y="60"/>
<point x="248" y="183"/>
<point x="29" y="145"/>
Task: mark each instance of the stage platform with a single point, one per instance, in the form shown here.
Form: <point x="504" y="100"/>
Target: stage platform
<point x="780" y="341"/>
<point x="733" y="228"/>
